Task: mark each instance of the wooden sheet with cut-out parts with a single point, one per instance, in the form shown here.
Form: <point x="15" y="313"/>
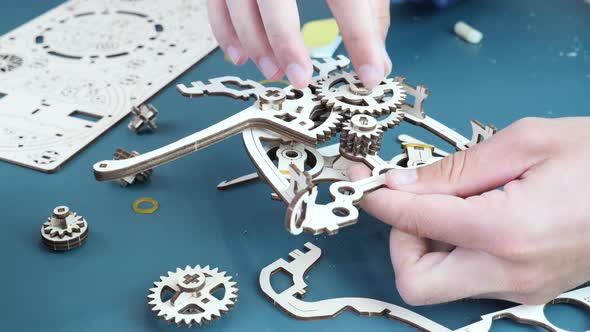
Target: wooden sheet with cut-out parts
<point x="72" y="73"/>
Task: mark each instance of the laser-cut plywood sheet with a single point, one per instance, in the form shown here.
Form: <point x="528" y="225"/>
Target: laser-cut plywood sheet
<point x="72" y="73"/>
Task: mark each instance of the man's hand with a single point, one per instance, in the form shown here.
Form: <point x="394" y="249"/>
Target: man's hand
<point x="526" y="243"/>
<point x="268" y="32"/>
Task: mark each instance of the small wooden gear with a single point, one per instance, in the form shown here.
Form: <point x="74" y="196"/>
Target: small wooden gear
<point x="64" y="230"/>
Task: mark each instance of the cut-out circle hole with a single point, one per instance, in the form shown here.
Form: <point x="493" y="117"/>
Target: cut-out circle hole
<point x="292" y="154"/>
<point x="347" y="191"/>
<point x="568" y="316"/>
<point x="341" y="212"/>
<point x="507" y="324"/>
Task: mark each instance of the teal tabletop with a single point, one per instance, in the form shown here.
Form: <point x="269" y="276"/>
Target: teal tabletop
<point x="534" y="61"/>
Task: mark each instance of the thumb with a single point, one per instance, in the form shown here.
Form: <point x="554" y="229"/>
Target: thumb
<point x="504" y="157"/>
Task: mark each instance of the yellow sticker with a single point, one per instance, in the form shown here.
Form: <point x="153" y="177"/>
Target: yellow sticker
<point x="320" y="33"/>
<point x="417" y="145"/>
<point x="151" y="201"/>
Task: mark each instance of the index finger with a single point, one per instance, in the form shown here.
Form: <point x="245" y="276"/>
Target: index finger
<point x="476" y="222"/>
<point x="358" y="27"/>
<point x="281" y="22"/>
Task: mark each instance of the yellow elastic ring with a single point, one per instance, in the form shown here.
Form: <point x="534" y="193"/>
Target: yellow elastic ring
<point x="285" y="82"/>
<point x="151" y="210"/>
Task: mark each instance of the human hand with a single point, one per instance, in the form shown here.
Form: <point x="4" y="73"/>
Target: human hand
<point x="268" y="32"/>
<point x="526" y="243"/>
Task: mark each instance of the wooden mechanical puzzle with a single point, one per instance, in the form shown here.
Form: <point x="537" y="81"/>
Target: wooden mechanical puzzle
<point x="285" y="132"/>
<point x="72" y="73"/>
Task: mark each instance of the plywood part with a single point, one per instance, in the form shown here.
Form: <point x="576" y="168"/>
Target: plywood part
<point x="284" y="131"/>
<point x="72" y="73"/>
<point x="292" y="302"/>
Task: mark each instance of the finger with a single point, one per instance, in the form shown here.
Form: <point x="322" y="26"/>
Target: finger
<point x="424" y="277"/>
<point x="281" y="22"/>
<point x="382" y="16"/>
<point x="358" y="172"/>
<point x="224" y="31"/>
<point x="539" y="298"/>
<point x="503" y="158"/>
<point x="250" y="30"/>
<point x="388" y="64"/>
<point x="477" y="222"/>
<point x="361" y="38"/>
<point x="381" y="10"/>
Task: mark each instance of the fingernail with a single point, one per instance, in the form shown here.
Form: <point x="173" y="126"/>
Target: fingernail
<point x="399" y="178"/>
<point x="268" y="67"/>
<point x="296" y="75"/>
<point x="370" y="76"/>
<point x="234" y="54"/>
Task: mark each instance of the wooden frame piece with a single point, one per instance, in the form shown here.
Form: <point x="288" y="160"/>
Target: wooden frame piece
<point x="69" y="75"/>
<point x="300" y="263"/>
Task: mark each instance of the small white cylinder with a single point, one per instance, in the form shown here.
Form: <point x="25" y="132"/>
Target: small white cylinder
<point x="468" y="33"/>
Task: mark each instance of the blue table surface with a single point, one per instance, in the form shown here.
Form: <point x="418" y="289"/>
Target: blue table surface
<point x="534" y="61"/>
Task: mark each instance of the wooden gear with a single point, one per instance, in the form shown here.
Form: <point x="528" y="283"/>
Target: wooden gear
<point x="283" y="130"/>
<point x="193" y="301"/>
<point x="64" y="230"/>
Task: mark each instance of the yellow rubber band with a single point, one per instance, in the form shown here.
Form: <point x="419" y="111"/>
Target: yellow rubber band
<point x="151" y="210"/>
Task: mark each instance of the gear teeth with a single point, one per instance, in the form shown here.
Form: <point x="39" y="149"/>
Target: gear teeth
<point x="337" y="100"/>
<point x="329" y="129"/>
<point x="361" y="141"/>
<point x="214" y="310"/>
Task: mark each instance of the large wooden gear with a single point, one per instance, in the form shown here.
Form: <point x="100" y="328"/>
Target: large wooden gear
<point x="193" y="300"/>
<point x="284" y="132"/>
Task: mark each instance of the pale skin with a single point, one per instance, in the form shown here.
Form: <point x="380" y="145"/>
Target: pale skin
<point x="268" y="33"/>
<point x="526" y="243"/>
